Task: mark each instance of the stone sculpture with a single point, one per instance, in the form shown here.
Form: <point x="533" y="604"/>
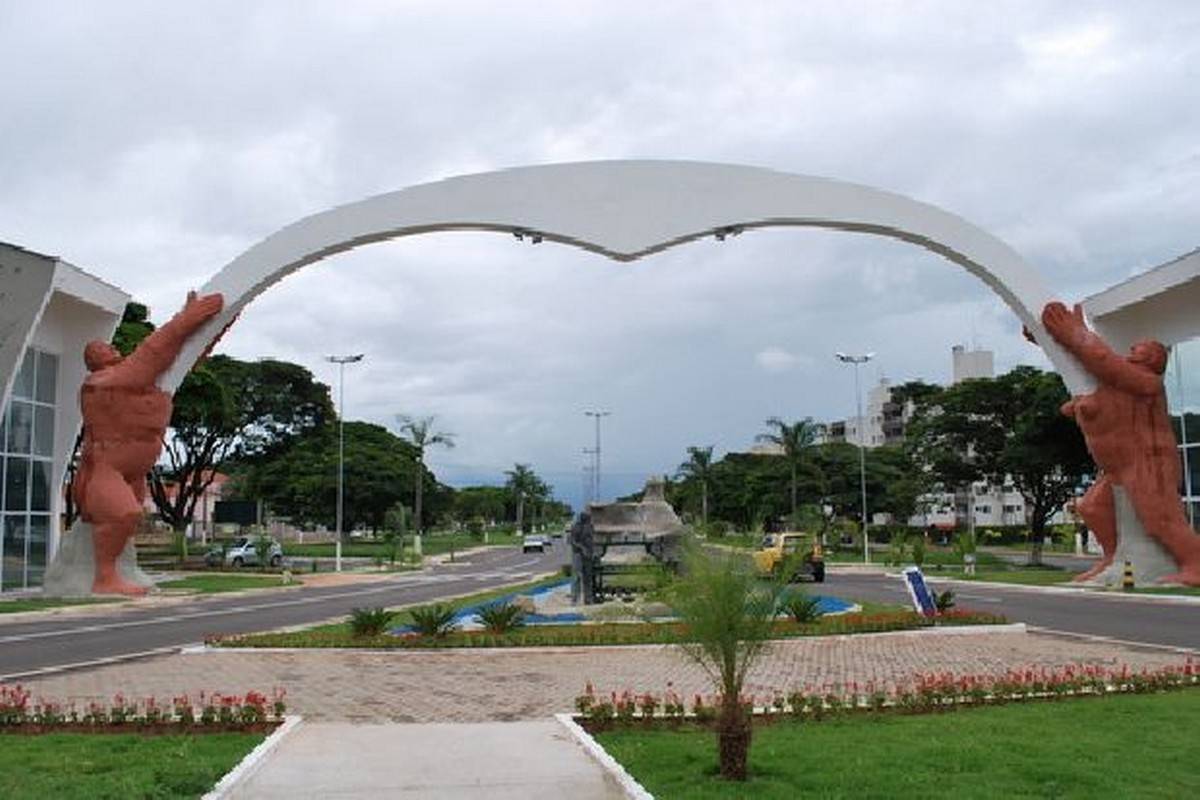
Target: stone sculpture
<point x="124" y="417"/>
<point x="1128" y="433"/>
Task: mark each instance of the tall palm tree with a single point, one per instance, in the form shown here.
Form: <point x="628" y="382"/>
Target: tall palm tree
<point x="416" y="431"/>
<point x="699" y="466"/>
<point x="524" y="484"/>
<point x="795" y="439"/>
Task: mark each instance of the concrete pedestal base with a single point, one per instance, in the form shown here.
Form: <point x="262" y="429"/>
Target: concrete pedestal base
<point x="73" y="569"/>
<point x="1149" y="560"/>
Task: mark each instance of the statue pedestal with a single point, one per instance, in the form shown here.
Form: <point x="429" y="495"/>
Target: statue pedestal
<point x="1149" y="560"/>
<point x="73" y="569"/>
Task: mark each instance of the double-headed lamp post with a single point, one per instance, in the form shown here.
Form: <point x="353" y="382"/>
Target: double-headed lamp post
<point x="341" y="361"/>
<point x="858" y="361"/>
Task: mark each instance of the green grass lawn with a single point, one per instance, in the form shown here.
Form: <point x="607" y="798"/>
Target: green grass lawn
<point x="215" y="582"/>
<point x="1030" y="577"/>
<point x="83" y="766"/>
<point x="1133" y="746"/>
<point x="43" y="603"/>
<point x="431" y="544"/>
<point x="1193" y="590"/>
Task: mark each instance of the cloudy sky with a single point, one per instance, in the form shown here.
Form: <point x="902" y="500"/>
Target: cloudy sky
<point x="151" y="143"/>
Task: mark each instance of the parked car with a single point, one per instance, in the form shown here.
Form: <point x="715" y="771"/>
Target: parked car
<point x="801" y="553"/>
<point x="244" y="552"/>
<point x="533" y="541"/>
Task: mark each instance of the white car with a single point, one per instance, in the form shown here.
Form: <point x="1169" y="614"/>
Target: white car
<point x="531" y="542"/>
<point x="244" y="551"/>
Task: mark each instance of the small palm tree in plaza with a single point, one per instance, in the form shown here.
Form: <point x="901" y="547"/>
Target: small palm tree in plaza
<point x="523" y="483"/>
<point x="699" y="466"/>
<point x="794" y="439"/>
<point x="418" y="432"/>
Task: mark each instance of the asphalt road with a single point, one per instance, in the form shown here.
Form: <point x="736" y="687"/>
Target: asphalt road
<point x="52" y="643"/>
<point x="1140" y="618"/>
<point x="30" y="647"/>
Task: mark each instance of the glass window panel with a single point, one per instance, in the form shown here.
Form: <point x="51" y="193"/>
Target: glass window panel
<point x="39" y="487"/>
<point x="20" y="427"/>
<point x="1193" y="464"/>
<point x="35" y="564"/>
<point x="24" y="385"/>
<point x="16" y="483"/>
<point x="12" y="574"/>
<point x="43" y="430"/>
<point x="47" y="377"/>
<point x="4" y="429"/>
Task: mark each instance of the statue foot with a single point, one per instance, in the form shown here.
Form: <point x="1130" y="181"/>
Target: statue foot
<point x="1188" y="576"/>
<point x="118" y="586"/>
<point x="1087" y="575"/>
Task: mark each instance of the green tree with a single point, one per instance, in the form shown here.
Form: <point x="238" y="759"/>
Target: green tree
<point x="1006" y="427"/>
<point x="302" y="481"/>
<point x="522" y="483"/>
<point x="698" y="468"/>
<point x="417" y="432"/>
<point x="729" y="615"/>
<point x="231" y="410"/>
<point x="795" y="439"/>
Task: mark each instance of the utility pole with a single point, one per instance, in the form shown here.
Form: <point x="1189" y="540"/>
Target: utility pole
<point x="596" y="452"/>
<point x="858" y="361"/>
<point x="341" y="361"/>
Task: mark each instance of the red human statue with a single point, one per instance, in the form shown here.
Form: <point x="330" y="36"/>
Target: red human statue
<point x="125" y="415"/>
<point x="1128" y="433"/>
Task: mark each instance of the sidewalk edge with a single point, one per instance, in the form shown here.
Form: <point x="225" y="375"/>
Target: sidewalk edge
<point x="632" y="789"/>
<point x="253" y="760"/>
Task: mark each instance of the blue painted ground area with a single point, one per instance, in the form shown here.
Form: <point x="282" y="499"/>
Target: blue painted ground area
<point x="467" y="618"/>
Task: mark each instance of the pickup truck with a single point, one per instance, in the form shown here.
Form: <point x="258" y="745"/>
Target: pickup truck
<point x="799" y="552"/>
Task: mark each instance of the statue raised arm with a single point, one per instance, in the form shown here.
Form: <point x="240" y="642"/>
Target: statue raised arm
<point x="1128" y="433"/>
<point x="125" y="415"/>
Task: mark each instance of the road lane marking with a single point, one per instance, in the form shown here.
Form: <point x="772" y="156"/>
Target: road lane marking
<point x="239" y="609"/>
<point x="94" y="662"/>
<point x="1093" y="637"/>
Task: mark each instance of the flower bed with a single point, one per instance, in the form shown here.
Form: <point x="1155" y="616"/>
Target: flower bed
<point x="605" y="634"/>
<point x="922" y="694"/>
<point x="254" y="712"/>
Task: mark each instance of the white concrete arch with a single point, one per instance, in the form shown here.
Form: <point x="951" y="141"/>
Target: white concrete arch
<point x="626" y="210"/>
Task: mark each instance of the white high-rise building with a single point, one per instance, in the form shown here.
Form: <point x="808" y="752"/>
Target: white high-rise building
<point x="969" y="364"/>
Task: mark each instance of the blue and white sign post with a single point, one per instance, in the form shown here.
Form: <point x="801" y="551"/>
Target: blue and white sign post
<point x="919" y="591"/>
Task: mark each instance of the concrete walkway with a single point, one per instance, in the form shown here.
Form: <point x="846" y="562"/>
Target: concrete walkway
<point x="495" y="760"/>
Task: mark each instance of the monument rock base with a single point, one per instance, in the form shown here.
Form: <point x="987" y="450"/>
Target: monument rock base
<point x="1149" y="560"/>
<point x="73" y="569"/>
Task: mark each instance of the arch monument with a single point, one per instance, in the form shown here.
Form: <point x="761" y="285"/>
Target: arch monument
<point x="626" y="210"/>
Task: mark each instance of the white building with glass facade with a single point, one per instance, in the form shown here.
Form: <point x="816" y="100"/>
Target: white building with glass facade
<point x="48" y="311"/>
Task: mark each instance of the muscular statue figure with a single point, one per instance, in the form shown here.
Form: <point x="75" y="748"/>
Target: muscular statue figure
<point x="124" y="417"/>
<point x="1129" y="435"/>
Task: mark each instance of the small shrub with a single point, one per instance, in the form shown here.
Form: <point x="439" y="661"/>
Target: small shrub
<point x="944" y="600"/>
<point x="369" y="621"/>
<point x="897" y="548"/>
<point x="918" y="550"/>
<point x="501" y="617"/>
<point x="803" y="608"/>
<point x="434" y="620"/>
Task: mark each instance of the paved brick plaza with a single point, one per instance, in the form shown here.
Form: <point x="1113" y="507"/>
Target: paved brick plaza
<point x="483" y="685"/>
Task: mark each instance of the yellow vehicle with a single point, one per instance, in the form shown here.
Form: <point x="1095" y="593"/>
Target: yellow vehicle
<point x="801" y="553"/>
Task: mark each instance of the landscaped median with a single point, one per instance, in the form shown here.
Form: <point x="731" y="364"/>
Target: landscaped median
<point x="128" y="747"/>
<point x="876" y="619"/>
<point x="866" y="741"/>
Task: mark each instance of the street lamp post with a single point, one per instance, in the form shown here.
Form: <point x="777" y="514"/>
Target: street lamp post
<point x="858" y="361"/>
<point x="341" y="361"/>
<point x="589" y="474"/>
<point x="596" y="451"/>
